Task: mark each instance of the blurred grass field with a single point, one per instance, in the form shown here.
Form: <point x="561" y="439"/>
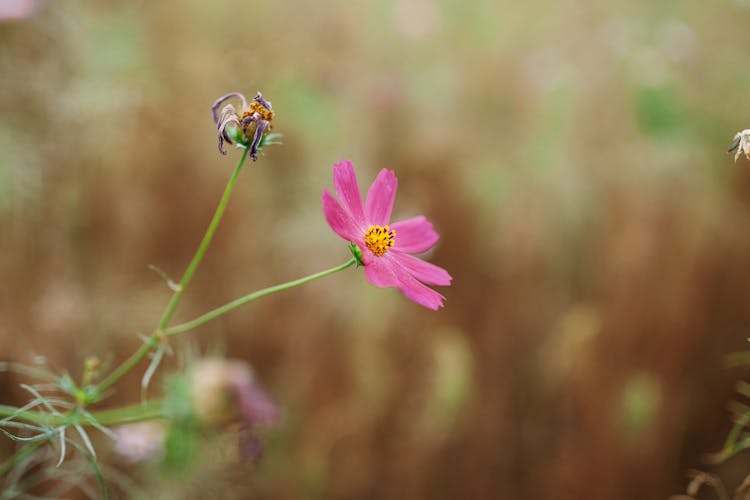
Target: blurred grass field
<point x="571" y="154"/>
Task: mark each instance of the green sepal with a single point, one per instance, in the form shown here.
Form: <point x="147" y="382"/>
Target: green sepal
<point x="235" y="133"/>
<point x="270" y="139"/>
<point x="357" y="253"/>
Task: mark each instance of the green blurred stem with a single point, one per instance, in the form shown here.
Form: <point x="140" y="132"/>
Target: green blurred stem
<point x="141" y="353"/>
<point x="184" y="327"/>
<point x="129" y="414"/>
<point x="115" y="416"/>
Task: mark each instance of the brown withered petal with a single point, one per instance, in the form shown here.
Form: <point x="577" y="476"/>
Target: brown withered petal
<point x="259" y="98"/>
<point x="222" y="131"/>
<point x="222" y="99"/>
<point x="260" y="128"/>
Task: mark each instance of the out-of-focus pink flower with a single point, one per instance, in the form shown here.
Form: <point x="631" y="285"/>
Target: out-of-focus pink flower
<point x="386" y="248"/>
<point x="17" y="9"/>
<point x="227" y="392"/>
<point x="140" y="442"/>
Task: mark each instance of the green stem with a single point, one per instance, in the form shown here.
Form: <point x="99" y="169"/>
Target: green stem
<point x="184" y="327"/>
<point x="129" y="414"/>
<point x="203" y="246"/>
<point x="30" y="416"/>
<point x="127" y="365"/>
<point x="141" y="353"/>
<point x="115" y="416"/>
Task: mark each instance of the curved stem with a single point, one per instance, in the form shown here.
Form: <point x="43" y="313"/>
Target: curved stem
<point x="145" y="348"/>
<point x="184" y="327"/>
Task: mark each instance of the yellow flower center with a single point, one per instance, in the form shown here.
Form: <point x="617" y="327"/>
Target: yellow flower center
<point x="379" y="239"/>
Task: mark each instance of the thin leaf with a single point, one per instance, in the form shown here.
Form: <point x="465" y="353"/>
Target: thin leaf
<point x="59" y="402"/>
<point x="41" y="398"/>
<point x="31" y="405"/>
<point x="171" y="284"/>
<point x="91" y="420"/>
<point x="94" y="467"/>
<point x="62" y="447"/>
<point x="38" y="437"/>
<point x="149" y="373"/>
<point x="28" y="406"/>
<point x="28" y="371"/>
<point x="84" y="435"/>
<point x="23" y="425"/>
<point x="49" y="386"/>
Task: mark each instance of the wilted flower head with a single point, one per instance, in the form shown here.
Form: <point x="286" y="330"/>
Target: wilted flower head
<point x="226" y="392"/>
<point x="385" y="248"/>
<point x="247" y="127"/>
<point x="741" y="144"/>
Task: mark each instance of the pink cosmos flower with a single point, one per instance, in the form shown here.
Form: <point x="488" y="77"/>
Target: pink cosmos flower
<point x="386" y="248"/>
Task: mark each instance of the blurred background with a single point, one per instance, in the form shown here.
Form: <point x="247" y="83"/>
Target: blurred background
<point x="571" y="154"/>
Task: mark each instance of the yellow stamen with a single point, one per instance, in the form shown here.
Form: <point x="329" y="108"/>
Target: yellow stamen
<point x="256" y="107"/>
<point x="379" y="239"/>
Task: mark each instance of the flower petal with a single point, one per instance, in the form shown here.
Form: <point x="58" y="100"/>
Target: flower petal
<point x="385" y="272"/>
<point x="380" y="198"/>
<point x="421" y="294"/>
<point x="345" y="182"/>
<point x="425" y="272"/>
<point x="415" y="235"/>
<point x="379" y="271"/>
<point x="339" y="220"/>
